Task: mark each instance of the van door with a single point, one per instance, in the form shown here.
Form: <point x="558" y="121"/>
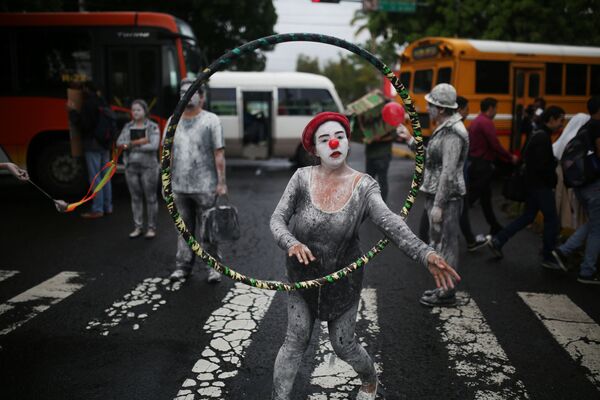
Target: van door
<point x="257" y="108"/>
<point x="526" y="88"/>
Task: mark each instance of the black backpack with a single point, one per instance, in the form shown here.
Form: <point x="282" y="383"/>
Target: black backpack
<point x="579" y="163"/>
<point x="106" y="131"/>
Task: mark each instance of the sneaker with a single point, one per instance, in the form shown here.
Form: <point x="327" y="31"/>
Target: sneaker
<point x="92" y="215"/>
<point x="561" y="259"/>
<point x="439" y="298"/>
<point x="150" y="234"/>
<point x="589" y="280"/>
<point x="493" y="245"/>
<point x="213" y="276"/>
<point x="179" y="275"/>
<point x="137" y="232"/>
<point x="480" y="241"/>
<point x="552" y="265"/>
<point x="363" y="395"/>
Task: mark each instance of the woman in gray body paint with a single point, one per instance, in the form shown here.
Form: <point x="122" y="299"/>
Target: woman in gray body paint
<point x="443" y="182"/>
<point x="328" y="203"/>
<point x="141" y="168"/>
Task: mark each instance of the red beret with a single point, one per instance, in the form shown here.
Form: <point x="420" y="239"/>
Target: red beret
<point x="318" y="120"/>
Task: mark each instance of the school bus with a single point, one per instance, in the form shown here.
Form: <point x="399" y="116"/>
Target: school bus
<point x="513" y="73"/>
<point x="128" y="55"/>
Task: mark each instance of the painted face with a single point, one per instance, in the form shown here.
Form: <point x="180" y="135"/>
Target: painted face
<point x="196" y="99"/>
<point x="137" y="112"/>
<point x="331" y="144"/>
<point x="433" y="111"/>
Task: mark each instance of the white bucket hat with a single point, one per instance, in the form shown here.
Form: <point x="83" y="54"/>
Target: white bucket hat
<point x="442" y="95"/>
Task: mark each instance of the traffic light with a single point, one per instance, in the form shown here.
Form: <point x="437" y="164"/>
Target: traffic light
<point x="325" y="1"/>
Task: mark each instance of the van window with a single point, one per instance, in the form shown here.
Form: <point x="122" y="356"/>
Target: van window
<point x="492" y="76"/>
<point x="304" y="101"/>
<point x="595" y="83"/>
<point x="223" y="101"/>
<point x="423" y="81"/>
<point x="405" y="79"/>
<point x="553" y="78"/>
<point x="444" y="75"/>
<point x="576" y="79"/>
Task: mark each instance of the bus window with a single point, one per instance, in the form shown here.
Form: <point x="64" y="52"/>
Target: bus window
<point x="170" y="81"/>
<point x="147" y="75"/>
<point x="223" y="101"/>
<point x="119" y="89"/>
<point x="554" y="78"/>
<point x="595" y="83"/>
<point x="423" y="81"/>
<point x="405" y="79"/>
<point x="534" y="85"/>
<point x="491" y="76"/>
<point x="6" y="78"/>
<point x="576" y="79"/>
<point x="444" y="75"/>
<point x="58" y="59"/>
<point x="304" y="101"/>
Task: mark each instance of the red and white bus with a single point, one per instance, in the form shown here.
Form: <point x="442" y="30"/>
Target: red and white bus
<point x="128" y="55"/>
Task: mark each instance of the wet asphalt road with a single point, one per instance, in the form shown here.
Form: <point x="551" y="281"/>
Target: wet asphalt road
<point x="154" y="348"/>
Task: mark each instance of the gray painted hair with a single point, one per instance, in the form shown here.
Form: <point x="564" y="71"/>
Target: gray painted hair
<point x="142" y="103"/>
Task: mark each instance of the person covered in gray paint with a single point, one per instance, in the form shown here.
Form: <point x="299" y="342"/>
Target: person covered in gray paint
<point x="140" y="139"/>
<point x="444" y="182"/>
<point x="328" y="203"/>
<point x="197" y="175"/>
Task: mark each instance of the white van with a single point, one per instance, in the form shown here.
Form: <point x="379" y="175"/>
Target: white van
<point x="264" y="113"/>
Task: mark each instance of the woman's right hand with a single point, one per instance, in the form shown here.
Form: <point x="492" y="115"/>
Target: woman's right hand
<point x="302" y="253"/>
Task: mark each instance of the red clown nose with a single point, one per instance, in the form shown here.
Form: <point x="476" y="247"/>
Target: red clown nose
<point x="334" y="143"/>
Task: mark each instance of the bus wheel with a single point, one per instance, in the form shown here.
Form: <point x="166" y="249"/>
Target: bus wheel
<point x="58" y="172"/>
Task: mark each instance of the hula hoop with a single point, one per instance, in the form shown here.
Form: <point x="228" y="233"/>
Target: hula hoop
<point x="221" y="63"/>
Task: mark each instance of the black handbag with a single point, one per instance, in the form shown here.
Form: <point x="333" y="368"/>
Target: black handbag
<point x="221" y="222"/>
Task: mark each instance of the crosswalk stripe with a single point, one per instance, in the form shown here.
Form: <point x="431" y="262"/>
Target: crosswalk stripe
<point x="475" y="354"/>
<point x="5" y="274"/>
<point x="571" y="327"/>
<point x="30" y="303"/>
<point x="333" y="375"/>
<point x="232" y="327"/>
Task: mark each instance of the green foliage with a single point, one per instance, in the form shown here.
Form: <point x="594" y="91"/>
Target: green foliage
<point x="306" y="64"/>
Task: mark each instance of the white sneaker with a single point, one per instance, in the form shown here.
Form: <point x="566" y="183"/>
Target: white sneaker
<point x="213" y="276"/>
<point x="137" y="232"/>
<point x="150" y="234"/>
<point x="362" y="395"/>
<point x="178" y="275"/>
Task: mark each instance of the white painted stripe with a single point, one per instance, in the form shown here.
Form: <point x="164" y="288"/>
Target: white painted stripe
<point x="475" y="354"/>
<point x="333" y="376"/>
<point x="5" y="274"/>
<point x="232" y="327"/>
<point x="135" y="307"/>
<point x="572" y="328"/>
<point x="39" y="298"/>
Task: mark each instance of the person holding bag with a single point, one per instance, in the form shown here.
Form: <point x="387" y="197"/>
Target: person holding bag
<point x="140" y="139"/>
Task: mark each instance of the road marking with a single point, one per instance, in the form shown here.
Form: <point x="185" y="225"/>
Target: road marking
<point x="475" y="353"/>
<point x="334" y="377"/>
<point x="232" y="326"/>
<point x="572" y="328"/>
<point x="30" y="303"/>
<point x="5" y="274"/>
<point x="135" y="306"/>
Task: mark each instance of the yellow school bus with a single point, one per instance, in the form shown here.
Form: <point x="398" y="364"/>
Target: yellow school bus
<point x="513" y="73"/>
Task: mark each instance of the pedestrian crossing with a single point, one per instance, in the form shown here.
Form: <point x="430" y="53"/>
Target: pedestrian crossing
<point x="474" y="353"/>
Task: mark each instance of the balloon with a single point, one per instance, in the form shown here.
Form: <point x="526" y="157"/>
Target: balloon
<point x="393" y="113"/>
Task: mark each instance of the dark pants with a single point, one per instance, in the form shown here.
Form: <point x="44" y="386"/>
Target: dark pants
<point x="538" y="199"/>
<point x="378" y="169"/>
<point x="480" y="188"/>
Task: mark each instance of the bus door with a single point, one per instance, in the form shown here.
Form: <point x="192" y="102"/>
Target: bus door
<point x="526" y="88"/>
<point x="257" y="111"/>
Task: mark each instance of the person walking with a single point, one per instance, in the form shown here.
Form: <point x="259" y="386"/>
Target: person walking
<point x="140" y="139"/>
<point x="541" y="179"/>
<point x="95" y="154"/>
<point x="197" y="175"/>
<point x="589" y="196"/>
<point x="484" y="149"/>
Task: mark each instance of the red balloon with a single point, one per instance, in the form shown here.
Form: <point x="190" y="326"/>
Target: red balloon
<point x="393" y="113"/>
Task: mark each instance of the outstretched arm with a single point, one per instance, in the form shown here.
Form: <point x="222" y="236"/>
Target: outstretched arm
<point x="283" y="213"/>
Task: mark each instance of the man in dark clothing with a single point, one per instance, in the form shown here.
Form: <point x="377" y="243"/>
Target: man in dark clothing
<point x="378" y="154"/>
<point x="484" y="149"/>
<point x="96" y="156"/>
<point x="541" y="179"/>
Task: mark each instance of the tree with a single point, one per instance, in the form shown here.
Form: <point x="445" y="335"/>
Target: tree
<point x="306" y="64"/>
<point x="218" y="25"/>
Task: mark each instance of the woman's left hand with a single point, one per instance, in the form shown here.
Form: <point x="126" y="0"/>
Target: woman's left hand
<point x="443" y="274"/>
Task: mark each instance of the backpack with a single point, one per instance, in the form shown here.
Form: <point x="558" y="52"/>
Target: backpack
<point x="579" y="163"/>
<point x="106" y="131"/>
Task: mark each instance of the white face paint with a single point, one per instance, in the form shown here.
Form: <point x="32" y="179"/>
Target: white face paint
<point x="433" y="111"/>
<point x="137" y="112"/>
<point x="196" y="99"/>
<point x="331" y="144"/>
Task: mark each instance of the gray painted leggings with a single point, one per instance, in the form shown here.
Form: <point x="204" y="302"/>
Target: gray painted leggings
<point x="444" y="237"/>
<point x="300" y="327"/>
<point x="143" y="184"/>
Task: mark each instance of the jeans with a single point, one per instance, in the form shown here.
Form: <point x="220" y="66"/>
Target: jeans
<point x="94" y="161"/>
<point x="589" y="196"/>
<point x="378" y="169"/>
<point x="142" y="182"/>
<point x="538" y="199"/>
<point x="480" y="187"/>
